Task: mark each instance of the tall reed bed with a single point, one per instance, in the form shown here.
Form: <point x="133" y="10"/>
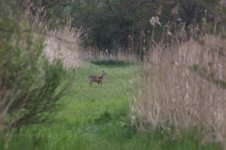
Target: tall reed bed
<point x="185" y="86"/>
<point x="63" y="44"/>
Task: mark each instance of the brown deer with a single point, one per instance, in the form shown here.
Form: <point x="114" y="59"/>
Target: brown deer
<point x="97" y="79"/>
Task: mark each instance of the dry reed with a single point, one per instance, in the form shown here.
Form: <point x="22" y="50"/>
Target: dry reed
<point x="107" y="55"/>
<point x="63" y="44"/>
<point x="185" y="86"/>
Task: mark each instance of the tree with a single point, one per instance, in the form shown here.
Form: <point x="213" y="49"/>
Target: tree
<point x="30" y="87"/>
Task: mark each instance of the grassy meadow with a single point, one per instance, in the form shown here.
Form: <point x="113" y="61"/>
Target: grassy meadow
<point x="98" y="117"/>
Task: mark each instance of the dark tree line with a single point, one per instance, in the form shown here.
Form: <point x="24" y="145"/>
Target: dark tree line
<point x="114" y="24"/>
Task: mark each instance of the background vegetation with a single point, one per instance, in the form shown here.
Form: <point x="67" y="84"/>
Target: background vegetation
<point x="124" y="24"/>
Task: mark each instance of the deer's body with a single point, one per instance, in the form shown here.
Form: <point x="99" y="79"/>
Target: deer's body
<point x="97" y="79"/>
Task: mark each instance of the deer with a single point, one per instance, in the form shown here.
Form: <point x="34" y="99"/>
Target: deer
<point x="97" y="79"/>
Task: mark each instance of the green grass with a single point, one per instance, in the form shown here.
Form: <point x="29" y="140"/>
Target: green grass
<point x="97" y="118"/>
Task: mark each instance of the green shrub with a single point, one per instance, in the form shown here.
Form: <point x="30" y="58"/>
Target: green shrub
<point x="30" y="87"/>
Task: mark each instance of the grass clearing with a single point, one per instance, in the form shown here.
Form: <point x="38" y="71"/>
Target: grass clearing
<point x="97" y="118"/>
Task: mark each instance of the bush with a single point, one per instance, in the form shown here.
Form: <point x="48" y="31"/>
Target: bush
<point x="30" y="87"/>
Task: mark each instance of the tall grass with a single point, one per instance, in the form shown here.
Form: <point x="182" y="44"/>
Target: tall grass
<point x="120" y="55"/>
<point x="63" y="44"/>
<point x="185" y="86"/>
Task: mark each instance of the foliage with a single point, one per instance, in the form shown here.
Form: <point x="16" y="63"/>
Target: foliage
<point x="29" y="84"/>
<point x="114" y="24"/>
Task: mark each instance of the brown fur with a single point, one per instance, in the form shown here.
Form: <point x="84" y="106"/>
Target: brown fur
<point x="97" y="79"/>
